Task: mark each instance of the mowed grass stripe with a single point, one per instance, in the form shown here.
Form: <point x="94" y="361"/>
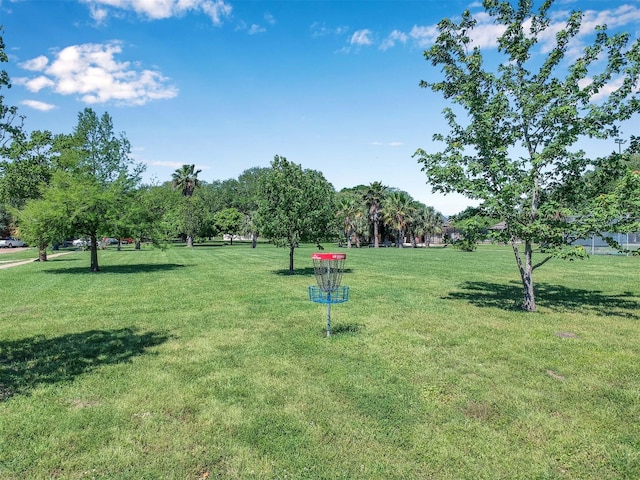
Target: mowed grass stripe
<point x="212" y="362"/>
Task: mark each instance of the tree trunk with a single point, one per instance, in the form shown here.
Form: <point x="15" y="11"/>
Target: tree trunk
<point x="291" y="250"/>
<point x="375" y="234"/>
<point x="137" y="245"/>
<point x="189" y="241"/>
<point x="93" y="239"/>
<point x="526" y="274"/>
<point x="254" y="239"/>
<point x="42" y="254"/>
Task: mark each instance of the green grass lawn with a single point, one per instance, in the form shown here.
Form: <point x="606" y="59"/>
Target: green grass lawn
<point x="212" y="363"/>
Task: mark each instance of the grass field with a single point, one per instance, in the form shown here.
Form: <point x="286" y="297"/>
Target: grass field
<point x="212" y="363"/>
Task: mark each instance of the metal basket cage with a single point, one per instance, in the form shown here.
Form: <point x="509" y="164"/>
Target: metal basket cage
<point x="328" y="273"/>
<point x="339" y="294"/>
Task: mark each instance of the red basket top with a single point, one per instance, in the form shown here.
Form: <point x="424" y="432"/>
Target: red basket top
<point x="328" y="256"/>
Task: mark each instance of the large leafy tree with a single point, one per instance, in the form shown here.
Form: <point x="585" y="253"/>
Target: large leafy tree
<point x="513" y="147"/>
<point x="248" y="195"/>
<point x="94" y="173"/>
<point x="29" y="162"/>
<point x="11" y="122"/>
<point x="10" y="127"/>
<point x="295" y="205"/>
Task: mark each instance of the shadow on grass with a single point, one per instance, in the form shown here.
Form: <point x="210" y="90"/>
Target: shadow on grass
<point x="30" y="362"/>
<point x="555" y="297"/>
<point x="134" y="268"/>
<point x="346" y="328"/>
<point x="306" y="271"/>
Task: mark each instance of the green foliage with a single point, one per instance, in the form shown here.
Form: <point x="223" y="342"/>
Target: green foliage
<point x="373" y="198"/>
<point x="186" y="179"/>
<point x="398" y="212"/>
<point x="93" y="180"/>
<point x="10" y="122"/>
<point x="513" y="149"/>
<point x="229" y="221"/>
<point x="295" y="205"/>
<point x="29" y="164"/>
<point x="474" y="227"/>
<point x="353" y="216"/>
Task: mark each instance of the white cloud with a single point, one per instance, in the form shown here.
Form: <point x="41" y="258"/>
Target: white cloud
<point x="169" y="164"/>
<point x="485" y="34"/>
<point x="99" y="14"/>
<point x="395" y="36"/>
<point x="256" y="29"/>
<point x="361" y="37"/>
<point x="159" y="163"/>
<point x="35" y="64"/>
<point x="423" y="35"/>
<point x="35" y="84"/>
<point x="217" y="10"/>
<point x="36" y="105"/>
<point x="321" y="30"/>
<point x="270" y="19"/>
<point x="92" y="72"/>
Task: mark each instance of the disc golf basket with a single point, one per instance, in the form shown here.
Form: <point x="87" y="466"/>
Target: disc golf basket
<point x="328" y="269"/>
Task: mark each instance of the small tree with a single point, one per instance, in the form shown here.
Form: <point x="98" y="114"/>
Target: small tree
<point x="40" y="223"/>
<point x="295" y="205"/>
<point x="229" y="221"/>
<point x="514" y="153"/>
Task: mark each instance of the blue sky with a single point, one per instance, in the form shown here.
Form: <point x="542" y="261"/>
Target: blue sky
<point x="228" y="84"/>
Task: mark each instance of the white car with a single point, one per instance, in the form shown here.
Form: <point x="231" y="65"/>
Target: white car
<point x="11" y="242"/>
<point x="80" y="242"/>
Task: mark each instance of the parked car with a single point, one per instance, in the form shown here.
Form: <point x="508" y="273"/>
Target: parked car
<point x="11" y="242"/>
<point x="110" y="241"/>
<point x="80" y="242"/>
<point x="126" y="241"/>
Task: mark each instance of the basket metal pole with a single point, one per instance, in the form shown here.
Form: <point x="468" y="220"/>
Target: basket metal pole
<point x="329" y="314"/>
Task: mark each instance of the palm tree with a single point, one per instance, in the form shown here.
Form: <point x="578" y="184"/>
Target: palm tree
<point x="426" y="222"/>
<point x="373" y="198"/>
<point x="185" y="178"/>
<point x="349" y="210"/>
<point x="398" y="211"/>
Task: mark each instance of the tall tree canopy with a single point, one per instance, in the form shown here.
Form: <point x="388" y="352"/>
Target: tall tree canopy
<point x="373" y="198"/>
<point x="513" y="148"/>
<point x="186" y="180"/>
<point x="93" y="175"/>
<point x="295" y="205"/>
<point x="11" y="122"/>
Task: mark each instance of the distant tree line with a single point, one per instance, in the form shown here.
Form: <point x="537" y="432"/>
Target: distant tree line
<point x="58" y="186"/>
